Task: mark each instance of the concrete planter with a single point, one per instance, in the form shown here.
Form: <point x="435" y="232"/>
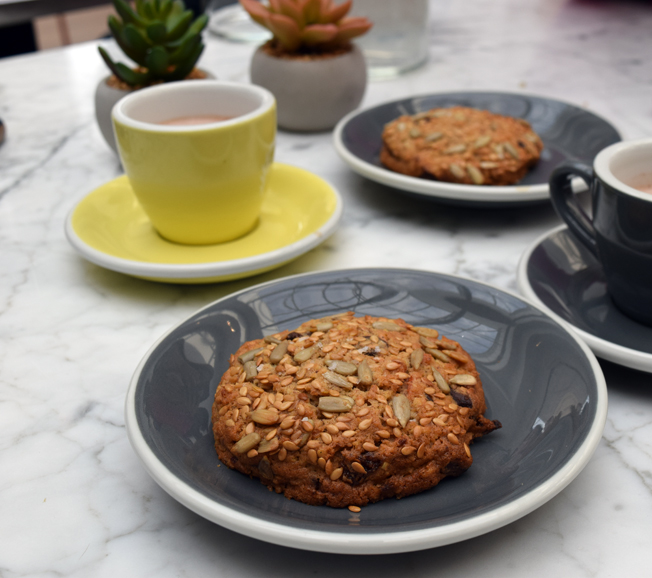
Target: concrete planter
<point x="312" y="94"/>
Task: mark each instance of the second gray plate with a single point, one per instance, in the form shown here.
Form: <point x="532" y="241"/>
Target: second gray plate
<point x="568" y="133"/>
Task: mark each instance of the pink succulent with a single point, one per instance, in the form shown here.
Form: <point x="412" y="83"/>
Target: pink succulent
<point x="298" y="24"/>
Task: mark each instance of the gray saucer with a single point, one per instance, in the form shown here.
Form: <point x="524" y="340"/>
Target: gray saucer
<point x="559" y="274"/>
<point x="540" y="381"/>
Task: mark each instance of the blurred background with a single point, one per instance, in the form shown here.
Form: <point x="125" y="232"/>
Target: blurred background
<point x="30" y="25"/>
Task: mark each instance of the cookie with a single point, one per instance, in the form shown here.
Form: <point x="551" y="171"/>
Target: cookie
<point x="348" y="410"/>
<point x="461" y="145"/>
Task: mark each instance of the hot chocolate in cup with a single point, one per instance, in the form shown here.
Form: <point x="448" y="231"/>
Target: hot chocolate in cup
<point x="619" y="233"/>
<point x="197" y="155"/>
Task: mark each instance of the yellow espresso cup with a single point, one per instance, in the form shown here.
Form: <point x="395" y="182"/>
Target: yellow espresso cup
<point x="198" y="183"/>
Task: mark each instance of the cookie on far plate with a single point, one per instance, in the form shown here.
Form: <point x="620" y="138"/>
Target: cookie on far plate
<point x="461" y="145"/>
<point x="348" y="410"/>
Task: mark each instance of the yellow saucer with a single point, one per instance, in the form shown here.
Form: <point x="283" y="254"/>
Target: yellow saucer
<point x="109" y="228"/>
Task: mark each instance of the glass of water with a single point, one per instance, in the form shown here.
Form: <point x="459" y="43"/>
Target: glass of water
<point x="228" y="20"/>
<point x="398" y="41"/>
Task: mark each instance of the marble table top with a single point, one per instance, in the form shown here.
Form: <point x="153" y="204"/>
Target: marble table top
<point x="75" y="500"/>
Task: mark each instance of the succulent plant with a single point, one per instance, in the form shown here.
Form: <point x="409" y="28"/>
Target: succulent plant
<point x="307" y="25"/>
<point x="160" y="36"/>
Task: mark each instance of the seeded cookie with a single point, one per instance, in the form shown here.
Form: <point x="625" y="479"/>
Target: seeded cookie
<point x="347" y="410"/>
<point x="461" y="145"/>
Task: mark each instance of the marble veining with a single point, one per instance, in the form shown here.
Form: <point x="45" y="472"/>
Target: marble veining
<point x="74" y="499"/>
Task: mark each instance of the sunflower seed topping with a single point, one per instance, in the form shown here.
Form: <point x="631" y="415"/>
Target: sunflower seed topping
<point x="434" y="136"/>
<point x="279" y="351"/>
<point x="325" y="326"/>
<point x="415" y="133"/>
<point x="457" y="171"/>
<point x="249" y="355"/>
<point x="438" y="355"/>
<point x="416" y="357"/>
<point x="265" y="469"/>
<point x="509" y="147"/>
<point x="343" y="367"/>
<point x="427" y="332"/>
<point x="475" y="174"/>
<point x="441" y="382"/>
<point x="264" y="416"/>
<point x="365" y="374"/>
<point x="338" y="380"/>
<point x="335" y="404"/>
<point x="482" y="141"/>
<point x="387" y="326"/>
<point x="248" y="442"/>
<point x="402" y="409"/>
<point x="459" y="148"/>
<point x="306" y="354"/>
<point x="463" y="379"/>
<point x="268" y="446"/>
<point x="250" y="370"/>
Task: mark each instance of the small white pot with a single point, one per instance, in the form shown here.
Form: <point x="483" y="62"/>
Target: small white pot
<point x="105" y="98"/>
<point x="312" y="94"/>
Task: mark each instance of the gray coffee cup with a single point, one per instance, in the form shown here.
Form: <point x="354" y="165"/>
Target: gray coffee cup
<point x="619" y="233"/>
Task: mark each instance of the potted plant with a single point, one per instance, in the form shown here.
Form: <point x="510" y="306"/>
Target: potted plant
<point x="164" y="41"/>
<point x="310" y="64"/>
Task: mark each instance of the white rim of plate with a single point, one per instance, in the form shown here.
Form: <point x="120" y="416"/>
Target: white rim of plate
<point x="363" y="543"/>
<point x="437" y="189"/>
<point x="212" y="268"/>
<point x="618" y="354"/>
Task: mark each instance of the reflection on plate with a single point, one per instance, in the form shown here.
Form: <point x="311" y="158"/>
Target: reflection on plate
<point x="540" y="381"/>
<point x="109" y="228"/>
<point x="568" y="133"/>
<point x="561" y="276"/>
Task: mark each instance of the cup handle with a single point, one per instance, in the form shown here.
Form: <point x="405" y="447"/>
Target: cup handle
<point x="566" y="205"/>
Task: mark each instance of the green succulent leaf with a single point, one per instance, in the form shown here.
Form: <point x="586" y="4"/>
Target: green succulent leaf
<point x="140" y="7"/>
<point x="126" y="13"/>
<point x="166" y="8"/>
<point x="157" y="61"/>
<point x="194" y="30"/>
<point x="115" y="26"/>
<point x="122" y="71"/>
<point x="184" y="51"/>
<point x="136" y="40"/>
<point x="120" y="36"/>
<point x="178" y="25"/>
<point x="198" y="25"/>
<point x="157" y="32"/>
<point x="149" y="10"/>
<point x="183" y="70"/>
<point x="177" y="7"/>
<point x="131" y="77"/>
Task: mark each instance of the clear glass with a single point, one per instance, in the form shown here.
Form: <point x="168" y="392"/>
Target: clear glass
<point x="398" y="42"/>
<point x="228" y="20"/>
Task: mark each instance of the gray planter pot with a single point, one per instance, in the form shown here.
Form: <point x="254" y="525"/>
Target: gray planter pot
<point x="312" y="95"/>
<point x="105" y="98"/>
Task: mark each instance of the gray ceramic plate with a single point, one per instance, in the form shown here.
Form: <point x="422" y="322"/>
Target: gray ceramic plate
<point x="568" y="133"/>
<point x="540" y="381"/>
<point x="560" y="275"/>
